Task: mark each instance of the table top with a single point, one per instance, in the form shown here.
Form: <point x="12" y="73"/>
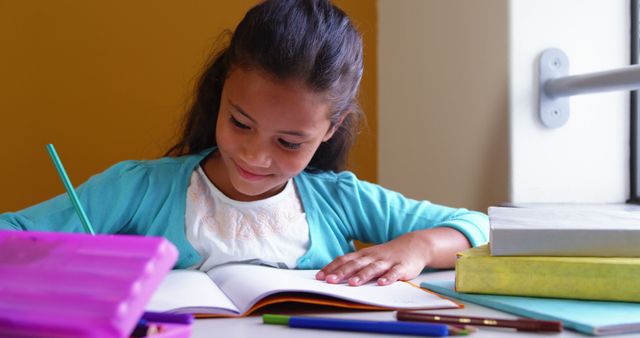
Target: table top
<point x="252" y="326"/>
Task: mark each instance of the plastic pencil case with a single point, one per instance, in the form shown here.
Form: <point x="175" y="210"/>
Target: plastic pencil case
<point x="78" y="285"/>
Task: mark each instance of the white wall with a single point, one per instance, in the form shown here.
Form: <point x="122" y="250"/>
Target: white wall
<point x="458" y="96"/>
<point x="587" y="159"/>
<point x="442" y="77"/>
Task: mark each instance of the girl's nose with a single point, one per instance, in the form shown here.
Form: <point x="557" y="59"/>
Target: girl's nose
<point x="256" y="154"/>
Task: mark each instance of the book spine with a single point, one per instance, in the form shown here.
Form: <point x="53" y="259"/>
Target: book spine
<point x="537" y="277"/>
<point x="565" y="242"/>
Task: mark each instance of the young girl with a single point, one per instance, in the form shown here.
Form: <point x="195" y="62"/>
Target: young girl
<point x="256" y="175"/>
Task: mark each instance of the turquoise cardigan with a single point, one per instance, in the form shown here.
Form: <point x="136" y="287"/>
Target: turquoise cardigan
<point x="149" y="198"/>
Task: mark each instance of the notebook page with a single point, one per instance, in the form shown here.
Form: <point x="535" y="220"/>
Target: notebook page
<point x="247" y="284"/>
<point x="190" y="291"/>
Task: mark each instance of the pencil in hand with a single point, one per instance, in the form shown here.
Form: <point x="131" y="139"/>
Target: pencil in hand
<point x="69" y="188"/>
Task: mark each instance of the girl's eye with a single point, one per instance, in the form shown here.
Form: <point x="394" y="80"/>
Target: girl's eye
<point x="289" y="145"/>
<point x="237" y="123"/>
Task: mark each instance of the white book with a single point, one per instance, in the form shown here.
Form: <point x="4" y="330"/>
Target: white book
<point x="239" y="289"/>
<point x="564" y="231"/>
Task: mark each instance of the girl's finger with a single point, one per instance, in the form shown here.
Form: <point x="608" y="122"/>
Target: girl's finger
<point x="347" y="269"/>
<point x="392" y="275"/>
<point x="335" y="264"/>
<point x="372" y="270"/>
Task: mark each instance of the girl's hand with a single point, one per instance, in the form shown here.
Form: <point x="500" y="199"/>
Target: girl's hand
<point x="403" y="258"/>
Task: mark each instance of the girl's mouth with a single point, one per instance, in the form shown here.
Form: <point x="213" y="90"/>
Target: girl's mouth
<point x="248" y="175"/>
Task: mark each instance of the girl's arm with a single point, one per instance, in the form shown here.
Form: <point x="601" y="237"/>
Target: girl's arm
<point x="403" y="258"/>
<point x="411" y="234"/>
<point x="109" y="199"/>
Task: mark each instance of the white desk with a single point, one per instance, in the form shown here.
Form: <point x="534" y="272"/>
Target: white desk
<point x="252" y="326"/>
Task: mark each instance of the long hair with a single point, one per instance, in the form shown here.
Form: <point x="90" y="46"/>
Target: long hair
<point x="310" y="41"/>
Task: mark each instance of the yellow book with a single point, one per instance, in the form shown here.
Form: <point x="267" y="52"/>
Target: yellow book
<point x="597" y="278"/>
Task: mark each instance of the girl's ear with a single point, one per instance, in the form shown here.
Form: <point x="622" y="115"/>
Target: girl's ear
<point x="335" y="127"/>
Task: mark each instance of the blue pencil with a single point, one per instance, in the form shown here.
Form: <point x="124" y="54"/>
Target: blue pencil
<point x="70" y="191"/>
<point x="167" y="317"/>
<point x="405" y="328"/>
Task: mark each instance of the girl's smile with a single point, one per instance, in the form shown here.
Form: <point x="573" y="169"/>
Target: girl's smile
<point x="249" y="175"/>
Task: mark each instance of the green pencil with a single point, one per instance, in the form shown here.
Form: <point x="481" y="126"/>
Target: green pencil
<point x="70" y="191"/>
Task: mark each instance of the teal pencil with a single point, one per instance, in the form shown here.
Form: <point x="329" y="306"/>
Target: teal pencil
<point x="70" y="191"/>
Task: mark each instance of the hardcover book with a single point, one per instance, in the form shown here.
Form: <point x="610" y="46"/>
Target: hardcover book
<point x="597" y="278"/>
<point x="589" y="317"/>
<point x="564" y="231"/>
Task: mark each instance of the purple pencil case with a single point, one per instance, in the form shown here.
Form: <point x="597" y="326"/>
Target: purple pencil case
<point x="78" y="285"/>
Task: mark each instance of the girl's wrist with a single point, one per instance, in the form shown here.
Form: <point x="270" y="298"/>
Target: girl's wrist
<point x="440" y="245"/>
<point x="423" y="243"/>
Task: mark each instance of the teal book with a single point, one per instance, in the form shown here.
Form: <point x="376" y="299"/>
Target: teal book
<point x="585" y="316"/>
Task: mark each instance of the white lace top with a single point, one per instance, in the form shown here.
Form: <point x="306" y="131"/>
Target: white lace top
<point x="272" y="231"/>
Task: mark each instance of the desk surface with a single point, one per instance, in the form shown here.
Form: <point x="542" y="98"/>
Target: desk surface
<point x="252" y="326"/>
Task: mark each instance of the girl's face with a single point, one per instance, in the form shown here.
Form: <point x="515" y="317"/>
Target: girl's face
<point x="267" y="132"/>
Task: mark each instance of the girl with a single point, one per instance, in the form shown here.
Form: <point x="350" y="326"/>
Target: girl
<point x="256" y="175"/>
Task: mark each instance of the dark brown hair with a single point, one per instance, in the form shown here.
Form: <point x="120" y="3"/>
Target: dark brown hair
<point x="310" y="41"/>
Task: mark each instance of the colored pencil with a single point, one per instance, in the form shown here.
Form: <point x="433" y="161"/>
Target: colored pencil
<point x="167" y="317"/>
<point x="405" y="328"/>
<point x="521" y="324"/>
<point x="70" y="191"/>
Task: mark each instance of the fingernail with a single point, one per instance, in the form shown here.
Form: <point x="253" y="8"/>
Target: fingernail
<point x="332" y="278"/>
<point x="320" y="275"/>
<point x="382" y="280"/>
<point x="354" y="280"/>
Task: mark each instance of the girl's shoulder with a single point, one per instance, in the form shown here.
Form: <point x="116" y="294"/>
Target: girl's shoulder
<point x="160" y="168"/>
<point x="339" y="182"/>
<point x="326" y="177"/>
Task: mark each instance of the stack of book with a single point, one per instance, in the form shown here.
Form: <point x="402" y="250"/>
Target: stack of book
<point x="576" y="265"/>
<point x="575" y="253"/>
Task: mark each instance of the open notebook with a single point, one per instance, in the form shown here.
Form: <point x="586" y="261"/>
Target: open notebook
<point x="239" y="289"/>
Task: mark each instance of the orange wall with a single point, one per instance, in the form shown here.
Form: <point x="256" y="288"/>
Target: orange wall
<point x="109" y="81"/>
